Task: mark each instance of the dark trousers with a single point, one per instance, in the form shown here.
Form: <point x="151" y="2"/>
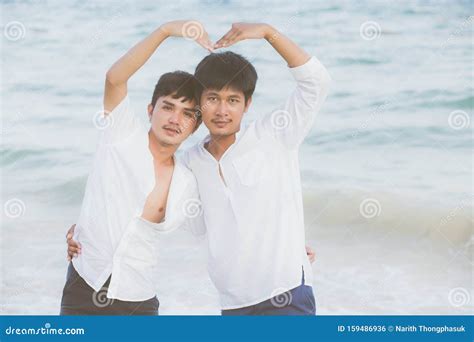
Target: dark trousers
<point x="296" y="302"/>
<point x="81" y="299"/>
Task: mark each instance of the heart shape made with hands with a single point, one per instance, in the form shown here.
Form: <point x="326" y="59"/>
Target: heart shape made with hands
<point x="194" y="30"/>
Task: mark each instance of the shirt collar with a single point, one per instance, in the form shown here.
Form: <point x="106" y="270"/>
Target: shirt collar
<point x="238" y="135"/>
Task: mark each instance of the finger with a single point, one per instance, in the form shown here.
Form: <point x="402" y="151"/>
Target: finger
<point x="210" y="46"/>
<point x="73" y="243"/>
<point x="224" y="38"/>
<point x="232" y="42"/>
<point x="203" y="40"/>
<point x="205" y="45"/>
<point x="208" y="42"/>
<point x="76" y="250"/>
<point x="71" y="254"/>
<point x="72" y="251"/>
<point x="219" y="43"/>
<point x="234" y="37"/>
<point x="70" y="231"/>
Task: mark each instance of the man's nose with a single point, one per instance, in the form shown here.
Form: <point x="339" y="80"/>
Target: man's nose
<point x="174" y="118"/>
<point x="222" y="109"/>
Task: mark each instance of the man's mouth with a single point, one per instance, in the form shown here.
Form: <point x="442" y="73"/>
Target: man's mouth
<point x="220" y="123"/>
<point x="172" y="130"/>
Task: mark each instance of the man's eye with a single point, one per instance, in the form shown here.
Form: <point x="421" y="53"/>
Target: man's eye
<point x="167" y="107"/>
<point x="189" y="114"/>
<point x="212" y="98"/>
<point x="234" y="100"/>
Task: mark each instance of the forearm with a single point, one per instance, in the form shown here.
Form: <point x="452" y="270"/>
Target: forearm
<point x="136" y="57"/>
<point x="291" y="52"/>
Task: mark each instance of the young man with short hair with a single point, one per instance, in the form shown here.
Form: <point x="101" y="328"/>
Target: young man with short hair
<point x="136" y="189"/>
<point x="249" y="180"/>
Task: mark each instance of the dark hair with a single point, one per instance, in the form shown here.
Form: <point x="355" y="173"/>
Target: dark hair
<point x="225" y="69"/>
<point x="177" y="84"/>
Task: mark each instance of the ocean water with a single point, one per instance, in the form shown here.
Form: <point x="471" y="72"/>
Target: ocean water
<point x="386" y="169"/>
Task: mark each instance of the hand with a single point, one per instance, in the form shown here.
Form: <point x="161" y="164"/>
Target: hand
<point x="189" y="29"/>
<point x="311" y="255"/>
<point x="241" y="31"/>
<point x="74" y="247"/>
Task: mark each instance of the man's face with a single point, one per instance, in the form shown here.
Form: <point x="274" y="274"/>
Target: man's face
<point x="172" y="120"/>
<point x="222" y="110"/>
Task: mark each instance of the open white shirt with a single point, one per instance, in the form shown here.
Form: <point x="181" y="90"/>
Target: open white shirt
<point x="254" y="220"/>
<point x="115" y="238"/>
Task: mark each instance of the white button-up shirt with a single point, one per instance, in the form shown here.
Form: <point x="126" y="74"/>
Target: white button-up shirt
<point x="115" y="238"/>
<point x="254" y="220"/>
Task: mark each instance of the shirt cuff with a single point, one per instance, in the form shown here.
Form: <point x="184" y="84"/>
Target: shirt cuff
<point x="312" y="66"/>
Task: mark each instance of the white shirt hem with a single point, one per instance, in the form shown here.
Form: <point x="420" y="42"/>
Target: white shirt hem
<point x="257" y="301"/>
<point x="92" y="284"/>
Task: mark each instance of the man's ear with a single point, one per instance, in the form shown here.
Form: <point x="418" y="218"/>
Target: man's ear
<point x="150" y="111"/>
<point x="247" y="104"/>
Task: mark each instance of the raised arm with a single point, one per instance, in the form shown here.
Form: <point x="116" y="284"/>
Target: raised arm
<point x="290" y="123"/>
<point x="293" y="54"/>
<point x="120" y="72"/>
